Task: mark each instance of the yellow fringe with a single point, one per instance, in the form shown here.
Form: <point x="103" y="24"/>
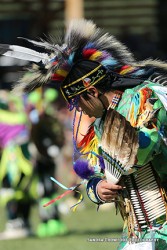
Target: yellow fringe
<point x="92" y="146"/>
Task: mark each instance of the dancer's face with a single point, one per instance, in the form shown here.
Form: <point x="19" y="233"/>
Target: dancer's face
<point x="91" y="105"/>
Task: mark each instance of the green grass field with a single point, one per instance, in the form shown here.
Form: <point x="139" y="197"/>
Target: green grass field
<point x="83" y="226"/>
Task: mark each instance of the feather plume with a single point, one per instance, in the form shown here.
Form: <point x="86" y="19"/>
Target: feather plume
<point x="151" y="62"/>
<point x="107" y="42"/>
<point x="79" y="33"/>
<point x="23" y="53"/>
<point x="82" y="169"/>
<point x="161" y="92"/>
<point x="158" y="78"/>
<point x="120" y="143"/>
<point x="84" y="33"/>
<point x="50" y="46"/>
<point x="41" y="43"/>
<point x="33" y="78"/>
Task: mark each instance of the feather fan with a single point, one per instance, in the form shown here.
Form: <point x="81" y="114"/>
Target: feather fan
<point x="119" y="145"/>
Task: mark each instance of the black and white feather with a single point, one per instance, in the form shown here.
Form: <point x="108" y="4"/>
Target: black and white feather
<point x="23" y="53"/>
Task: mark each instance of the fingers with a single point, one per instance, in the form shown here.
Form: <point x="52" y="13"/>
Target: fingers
<point x="108" y="191"/>
<point x="109" y="196"/>
<point x="109" y="199"/>
<point x="110" y="186"/>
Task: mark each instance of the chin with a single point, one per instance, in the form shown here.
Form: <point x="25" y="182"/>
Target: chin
<point x="94" y="116"/>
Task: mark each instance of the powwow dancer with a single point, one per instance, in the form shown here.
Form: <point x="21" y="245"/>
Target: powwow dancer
<point x="126" y="145"/>
<point x="17" y="182"/>
<point x="47" y="139"/>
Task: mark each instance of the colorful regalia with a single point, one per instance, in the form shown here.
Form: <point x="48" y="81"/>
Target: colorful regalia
<point x="145" y="200"/>
<point x="47" y="139"/>
<point x="128" y="143"/>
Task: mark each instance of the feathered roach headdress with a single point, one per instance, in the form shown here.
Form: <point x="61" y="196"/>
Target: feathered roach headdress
<point x="83" y="42"/>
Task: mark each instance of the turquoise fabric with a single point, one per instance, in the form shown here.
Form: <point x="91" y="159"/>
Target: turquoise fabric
<point x="157" y="146"/>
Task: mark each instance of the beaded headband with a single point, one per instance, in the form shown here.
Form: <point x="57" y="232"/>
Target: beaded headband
<point x="80" y="85"/>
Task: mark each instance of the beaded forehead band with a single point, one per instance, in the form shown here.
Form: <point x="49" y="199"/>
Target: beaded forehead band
<point x="80" y="85"/>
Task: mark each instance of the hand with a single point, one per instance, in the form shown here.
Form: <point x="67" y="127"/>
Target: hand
<point x="108" y="191"/>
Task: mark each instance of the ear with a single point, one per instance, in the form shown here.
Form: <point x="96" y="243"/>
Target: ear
<point x="93" y="91"/>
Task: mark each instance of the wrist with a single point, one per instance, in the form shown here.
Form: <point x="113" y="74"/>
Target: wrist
<point x="99" y="198"/>
<point x="92" y="190"/>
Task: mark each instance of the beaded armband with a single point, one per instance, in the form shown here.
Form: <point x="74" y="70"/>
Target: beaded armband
<point x="92" y="190"/>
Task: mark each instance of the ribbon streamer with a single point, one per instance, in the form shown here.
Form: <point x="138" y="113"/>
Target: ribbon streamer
<point x="68" y="190"/>
<point x="57" y="198"/>
<point x="74" y="207"/>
